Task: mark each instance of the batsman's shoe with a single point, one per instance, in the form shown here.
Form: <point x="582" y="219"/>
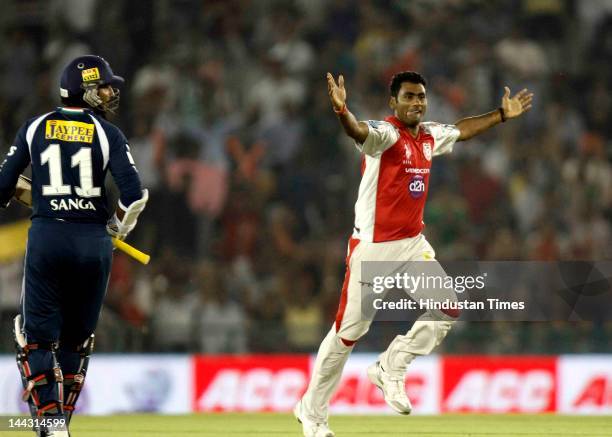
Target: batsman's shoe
<point x="392" y="388"/>
<point x="310" y="428"/>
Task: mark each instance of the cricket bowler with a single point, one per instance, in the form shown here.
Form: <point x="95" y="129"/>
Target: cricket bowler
<point x="397" y="153"/>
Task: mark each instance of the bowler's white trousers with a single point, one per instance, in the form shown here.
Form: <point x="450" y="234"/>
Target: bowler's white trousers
<point x="427" y="332"/>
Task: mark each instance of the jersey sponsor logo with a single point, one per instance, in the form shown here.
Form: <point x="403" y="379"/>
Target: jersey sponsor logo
<point x="73" y="131"/>
<point x="90" y="74"/>
<point x="408" y="154"/>
<point x="71" y="205"/>
<point x="427" y="151"/>
<point x="416" y="187"/>
<point x="417" y="170"/>
<point x="407" y="161"/>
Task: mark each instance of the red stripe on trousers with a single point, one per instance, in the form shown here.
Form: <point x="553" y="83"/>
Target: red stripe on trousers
<point x="353" y="242"/>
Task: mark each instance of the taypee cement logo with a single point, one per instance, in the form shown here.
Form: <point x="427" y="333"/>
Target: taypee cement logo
<point x="416" y="187"/>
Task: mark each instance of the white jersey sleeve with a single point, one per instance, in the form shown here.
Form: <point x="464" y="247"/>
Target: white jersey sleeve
<point x="445" y="136"/>
<point x="381" y="136"/>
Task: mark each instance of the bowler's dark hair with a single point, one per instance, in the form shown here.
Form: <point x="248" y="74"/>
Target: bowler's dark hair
<point x="405" y="76"/>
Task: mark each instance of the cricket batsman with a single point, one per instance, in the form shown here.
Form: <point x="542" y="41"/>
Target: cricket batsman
<point x="69" y="249"/>
<point x="396" y="162"/>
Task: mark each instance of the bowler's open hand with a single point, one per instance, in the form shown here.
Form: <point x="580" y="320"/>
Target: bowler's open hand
<point x="517" y="105"/>
<point x="337" y="93"/>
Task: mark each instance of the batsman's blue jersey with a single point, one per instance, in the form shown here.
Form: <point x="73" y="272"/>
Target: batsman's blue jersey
<point x="70" y="151"/>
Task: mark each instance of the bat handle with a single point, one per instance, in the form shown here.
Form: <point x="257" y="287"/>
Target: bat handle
<point x="131" y="251"/>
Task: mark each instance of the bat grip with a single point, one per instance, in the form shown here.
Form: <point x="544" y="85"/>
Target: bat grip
<point x="131" y="251"/>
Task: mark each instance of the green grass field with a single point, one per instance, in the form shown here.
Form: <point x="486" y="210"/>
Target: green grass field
<point x="275" y="425"/>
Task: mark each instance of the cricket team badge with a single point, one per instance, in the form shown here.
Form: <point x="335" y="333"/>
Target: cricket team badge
<point x="427" y="151"/>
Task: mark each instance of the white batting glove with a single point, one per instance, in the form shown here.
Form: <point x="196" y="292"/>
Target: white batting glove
<point x="120" y="228"/>
<point x="112" y="227"/>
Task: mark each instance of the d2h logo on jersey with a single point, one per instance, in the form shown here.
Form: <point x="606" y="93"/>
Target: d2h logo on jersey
<point x="416" y="186"/>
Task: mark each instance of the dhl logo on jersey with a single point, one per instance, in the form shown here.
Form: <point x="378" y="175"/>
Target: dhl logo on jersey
<point x="74" y="131"/>
<point x="90" y="74"/>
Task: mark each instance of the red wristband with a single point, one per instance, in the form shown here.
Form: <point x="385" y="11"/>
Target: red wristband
<point x="342" y="110"/>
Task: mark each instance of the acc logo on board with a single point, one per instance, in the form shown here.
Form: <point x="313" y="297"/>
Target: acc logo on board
<point x="249" y="382"/>
<point x="74" y="131"/>
<point x="508" y="384"/>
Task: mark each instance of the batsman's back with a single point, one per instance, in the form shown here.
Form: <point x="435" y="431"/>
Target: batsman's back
<point x="71" y="151"/>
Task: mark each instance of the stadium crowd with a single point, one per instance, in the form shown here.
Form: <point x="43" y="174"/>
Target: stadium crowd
<point x="253" y="183"/>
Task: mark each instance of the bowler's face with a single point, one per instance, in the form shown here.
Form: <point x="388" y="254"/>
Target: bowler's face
<point x="410" y="104"/>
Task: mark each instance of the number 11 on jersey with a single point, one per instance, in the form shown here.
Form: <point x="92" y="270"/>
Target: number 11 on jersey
<point x="82" y="159"/>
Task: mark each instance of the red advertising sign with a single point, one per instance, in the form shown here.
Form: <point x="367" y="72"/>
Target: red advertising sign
<point x="249" y="382"/>
<point x="490" y="384"/>
<point x="357" y="395"/>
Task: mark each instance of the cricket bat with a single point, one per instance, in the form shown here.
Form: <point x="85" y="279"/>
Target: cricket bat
<point x="23" y="194"/>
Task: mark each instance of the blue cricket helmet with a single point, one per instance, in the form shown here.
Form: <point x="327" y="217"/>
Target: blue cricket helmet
<point x="86" y="72"/>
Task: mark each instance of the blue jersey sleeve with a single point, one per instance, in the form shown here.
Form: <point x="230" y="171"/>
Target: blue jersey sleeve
<point x="16" y="160"/>
<point x="123" y="169"/>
